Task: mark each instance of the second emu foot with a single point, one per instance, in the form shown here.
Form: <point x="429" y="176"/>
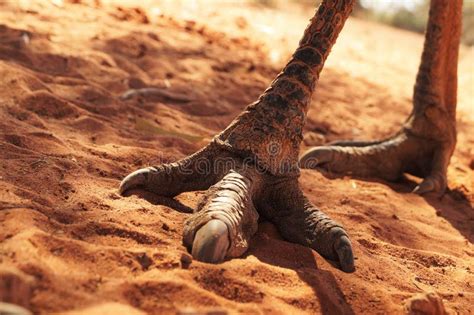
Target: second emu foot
<point x="388" y="159"/>
<point x="237" y="194"/>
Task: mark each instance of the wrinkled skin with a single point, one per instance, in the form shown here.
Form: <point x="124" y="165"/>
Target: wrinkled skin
<point x="251" y="167"/>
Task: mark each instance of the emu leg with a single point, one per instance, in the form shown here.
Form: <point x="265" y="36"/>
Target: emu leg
<point x="426" y="142"/>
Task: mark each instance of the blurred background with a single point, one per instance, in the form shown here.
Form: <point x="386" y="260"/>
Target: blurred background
<point x="277" y="26"/>
<point x="406" y="14"/>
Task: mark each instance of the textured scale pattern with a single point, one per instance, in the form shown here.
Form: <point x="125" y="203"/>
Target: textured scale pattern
<point x="229" y="201"/>
<point x="270" y="130"/>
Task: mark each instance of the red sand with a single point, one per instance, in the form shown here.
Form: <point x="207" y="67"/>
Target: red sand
<point x="70" y="243"/>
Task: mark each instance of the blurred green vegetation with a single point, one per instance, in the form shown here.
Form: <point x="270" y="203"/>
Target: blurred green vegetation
<point x="413" y="19"/>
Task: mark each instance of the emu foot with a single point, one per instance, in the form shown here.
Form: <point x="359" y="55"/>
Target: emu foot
<point x="388" y="159"/>
<point x="226" y="218"/>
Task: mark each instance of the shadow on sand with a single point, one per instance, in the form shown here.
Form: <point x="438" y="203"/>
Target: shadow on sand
<point x="159" y="200"/>
<point x="453" y="205"/>
<point x="330" y="299"/>
<point x="276" y="252"/>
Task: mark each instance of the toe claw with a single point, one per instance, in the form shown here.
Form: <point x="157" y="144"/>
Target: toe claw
<point x="343" y="249"/>
<point x="424" y="187"/>
<point x="211" y="242"/>
<point x="133" y="180"/>
<point x="316" y="156"/>
<point x="433" y="183"/>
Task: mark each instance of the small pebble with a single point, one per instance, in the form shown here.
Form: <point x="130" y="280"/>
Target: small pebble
<point x="186" y="260"/>
<point x="114" y="196"/>
<point x="425" y="303"/>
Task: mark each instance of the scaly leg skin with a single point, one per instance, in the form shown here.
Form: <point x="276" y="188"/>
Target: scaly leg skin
<point x="225" y="219"/>
<point x="258" y="150"/>
<point x="405" y="152"/>
<point x="426" y="142"/>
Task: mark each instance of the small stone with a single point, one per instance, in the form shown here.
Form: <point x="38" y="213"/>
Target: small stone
<point x="190" y="24"/>
<point x="165" y="227"/>
<point x="114" y="196"/>
<point x="394" y="216"/>
<point x="461" y="294"/>
<point x="186" y="260"/>
<point x="425" y="303"/>
<point x="25" y="38"/>
<point x="345" y="201"/>
<point x="136" y="83"/>
<point x="144" y="261"/>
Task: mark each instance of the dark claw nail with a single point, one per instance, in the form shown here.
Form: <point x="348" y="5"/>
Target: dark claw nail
<point x="344" y="252"/>
<point x="133" y="180"/>
<point x="211" y="242"/>
<point x="425" y="187"/>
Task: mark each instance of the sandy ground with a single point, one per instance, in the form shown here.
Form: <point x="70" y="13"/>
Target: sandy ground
<point x="70" y="244"/>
